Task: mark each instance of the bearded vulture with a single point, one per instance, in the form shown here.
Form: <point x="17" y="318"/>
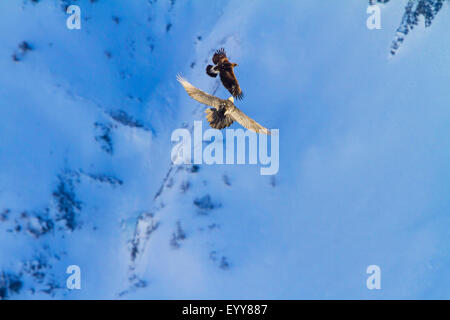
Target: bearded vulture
<point x="225" y="68"/>
<point x="223" y="112"/>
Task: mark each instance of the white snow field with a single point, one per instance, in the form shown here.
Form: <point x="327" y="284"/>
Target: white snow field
<point x="86" y="177"/>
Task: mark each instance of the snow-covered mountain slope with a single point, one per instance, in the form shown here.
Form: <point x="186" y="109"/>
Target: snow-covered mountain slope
<point x="85" y="123"/>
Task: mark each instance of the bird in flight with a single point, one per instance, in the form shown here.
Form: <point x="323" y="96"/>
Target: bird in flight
<point x="225" y="68"/>
<point x="223" y="112"/>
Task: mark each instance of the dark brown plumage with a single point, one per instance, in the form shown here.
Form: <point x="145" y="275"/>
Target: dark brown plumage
<point x="225" y="68"/>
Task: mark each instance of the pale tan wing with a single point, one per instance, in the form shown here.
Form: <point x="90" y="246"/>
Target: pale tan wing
<point x="199" y="95"/>
<point x="245" y="120"/>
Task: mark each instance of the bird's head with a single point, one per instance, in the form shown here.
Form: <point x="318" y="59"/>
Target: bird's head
<point x="234" y="65"/>
<point x="231" y="99"/>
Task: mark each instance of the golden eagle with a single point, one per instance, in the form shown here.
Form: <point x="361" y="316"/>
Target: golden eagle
<point x="223" y="112"/>
<point x="225" y="68"/>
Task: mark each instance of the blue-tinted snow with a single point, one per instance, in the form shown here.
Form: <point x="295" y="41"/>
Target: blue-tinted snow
<point x="364" y="151"/>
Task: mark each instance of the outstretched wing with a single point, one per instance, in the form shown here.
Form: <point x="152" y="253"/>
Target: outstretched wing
<point x="235" y="90"/>
<point x="199" y="95"/>
<point x="245" y="121"/>
<point x="230" y="81"/>
<point x="219" y="55"/>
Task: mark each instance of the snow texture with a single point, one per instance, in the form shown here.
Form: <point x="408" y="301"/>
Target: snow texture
<point x="86" y="178"/>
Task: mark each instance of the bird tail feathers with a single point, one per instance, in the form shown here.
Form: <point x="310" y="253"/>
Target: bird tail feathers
<point x="217" y="118"/>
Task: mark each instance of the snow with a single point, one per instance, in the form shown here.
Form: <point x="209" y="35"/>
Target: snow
<point x="364" y="167"/>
